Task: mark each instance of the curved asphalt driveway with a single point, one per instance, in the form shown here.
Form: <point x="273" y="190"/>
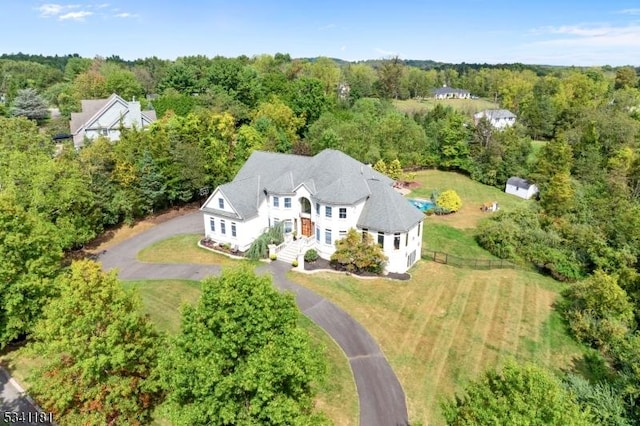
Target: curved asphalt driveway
<point x="382" y="400"/>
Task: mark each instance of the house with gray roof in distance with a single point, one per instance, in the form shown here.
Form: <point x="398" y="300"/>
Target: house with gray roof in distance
<point x="450" y="93"/>
<point x="499" y="118"/>
<point x="103" y="117"/>
<point x="319" y="198"/>
<point x="520" y="187"/>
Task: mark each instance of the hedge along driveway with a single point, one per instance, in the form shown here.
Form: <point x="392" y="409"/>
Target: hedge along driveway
<point x="382" y="400"/>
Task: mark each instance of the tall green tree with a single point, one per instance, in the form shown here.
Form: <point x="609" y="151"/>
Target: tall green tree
<point x="100" y="352"/>
<point x="240" y="357"/>
<point x="30" y="255"/>
<point x="28" y="103"/>
<point x="516" y="395"/>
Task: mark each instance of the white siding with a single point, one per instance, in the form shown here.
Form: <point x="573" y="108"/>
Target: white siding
<point x="398" y="258"/>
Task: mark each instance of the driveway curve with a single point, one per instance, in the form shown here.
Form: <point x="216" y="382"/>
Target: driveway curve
<point x="382" y="400"/>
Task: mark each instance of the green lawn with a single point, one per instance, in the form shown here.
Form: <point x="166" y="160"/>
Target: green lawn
<point x="454" y="241"/>
<point x="446" y="325"/>
<point x="465" y="106"/>
<point x="472" y="193"/>
<point x="183" y="249"/>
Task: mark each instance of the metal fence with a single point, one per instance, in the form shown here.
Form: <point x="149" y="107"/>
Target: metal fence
<point x="448" y="259"/>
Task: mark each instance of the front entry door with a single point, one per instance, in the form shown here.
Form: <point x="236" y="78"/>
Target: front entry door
<point x="306" y="226"/>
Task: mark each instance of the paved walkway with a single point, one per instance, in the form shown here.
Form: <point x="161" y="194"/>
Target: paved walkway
<point x="13" y="401"/>
<point x="382" y="400"/>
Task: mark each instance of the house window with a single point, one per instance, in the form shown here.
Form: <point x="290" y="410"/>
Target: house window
<point x="104" y="132"/>
<point x="419" y="225"/>
<point x="276" y="201"/>
<point x="223" y="226"/>
<point x="327" y="236"/>
<point x="396" y="241"/>
<point x="381" y="239"/>
<point x="212" y="224"/>
<point x="288" y="226"/>
<point x="318" y="233"/>
<point x="233" y="229"/>
<point x="343" y="213"/>
<point x="327" y="211"/>
<point x="365" y="231"/>
<point x="342" y="234"/>
<point x="221" y="203"/>
<point x="318" y="209"/>
<point x="406" y="239"/>
<point x="287" y="202"/>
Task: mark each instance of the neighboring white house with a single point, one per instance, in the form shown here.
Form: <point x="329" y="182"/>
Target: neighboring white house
<point x="499" y="118"/>
<point x="103" y="117"/>
<point x="320" y="198"/>
<point x="450" y="93"/>
<point x="520" y="187"/>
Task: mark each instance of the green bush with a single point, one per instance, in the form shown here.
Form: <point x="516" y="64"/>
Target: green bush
<point x="294" y="263"/>
<point x="358" y="253"/>
<point x="311" y="256"/>
<point x="260" y="247"/>
<point x="273" y="256"/>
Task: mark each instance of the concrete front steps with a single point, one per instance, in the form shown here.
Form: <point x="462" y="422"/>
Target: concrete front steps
<point x="290" y="251"/>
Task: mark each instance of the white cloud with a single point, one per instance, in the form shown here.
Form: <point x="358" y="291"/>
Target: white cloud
<point x="343" y="48"/>
<point x="75" y="16"/>
<point x="50" y="9"/>
<point x="125" y="15"/>
<point x="590" y="36"/>
<point x="103" y="5"/>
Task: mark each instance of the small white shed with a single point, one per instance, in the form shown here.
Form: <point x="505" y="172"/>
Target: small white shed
<point x="521" y="188"/>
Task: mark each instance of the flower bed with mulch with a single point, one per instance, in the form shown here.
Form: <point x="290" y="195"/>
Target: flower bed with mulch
<point x="324" y="265"/>
<point x="222" y="248"/>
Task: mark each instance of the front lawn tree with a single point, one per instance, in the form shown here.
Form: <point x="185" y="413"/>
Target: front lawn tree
<point x="240" y="358"/>
<point x="28" y="103"/>
<point x="100" y="352"/>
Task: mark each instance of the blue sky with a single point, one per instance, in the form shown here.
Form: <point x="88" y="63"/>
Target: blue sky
<point x="588" y="32"/>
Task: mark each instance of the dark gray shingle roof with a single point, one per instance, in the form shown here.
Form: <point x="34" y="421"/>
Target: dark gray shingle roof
<point x="331" y="176"/>
<point x="519" y="182"/>
<point x="388" y="211"/>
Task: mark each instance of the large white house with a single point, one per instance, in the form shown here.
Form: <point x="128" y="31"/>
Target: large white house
<point x="499" y="118"/>
<point x="103" y="117"/>
<point x="320" y="198"/>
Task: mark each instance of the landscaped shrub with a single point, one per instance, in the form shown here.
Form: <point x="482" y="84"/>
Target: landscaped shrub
<point x="294" y="263"/>
<point x="273" y="256"/>
<point x="260" y="247"/>
<point x="358" y="253"/>
<point x="311" y="255"/>
<point x="449" y="200"/>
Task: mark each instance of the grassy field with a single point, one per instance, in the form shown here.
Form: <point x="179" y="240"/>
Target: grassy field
<point x="446" y="325"/>
<point x="465" y="106"/>
<point x="473" y="195"/>
<point x="336" y="396"/>
<point x="183" y="249"/>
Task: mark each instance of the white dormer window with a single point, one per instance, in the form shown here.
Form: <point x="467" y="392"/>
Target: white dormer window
<point x="221" y="203"/>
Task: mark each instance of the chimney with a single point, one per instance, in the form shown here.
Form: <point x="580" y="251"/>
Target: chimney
<point x="135" y="115"/>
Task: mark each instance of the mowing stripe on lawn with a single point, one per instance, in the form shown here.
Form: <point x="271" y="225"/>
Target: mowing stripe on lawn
<point x="511" y="337"/>
<point x="445" y="340"/>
